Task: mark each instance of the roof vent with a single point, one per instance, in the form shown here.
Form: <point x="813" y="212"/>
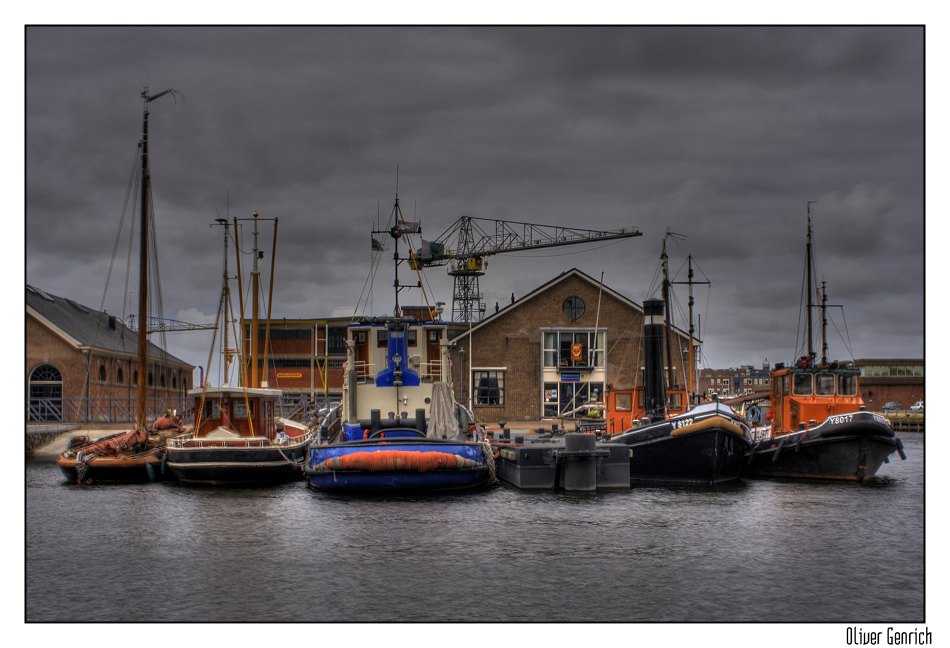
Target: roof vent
<point x="42" y="294"/>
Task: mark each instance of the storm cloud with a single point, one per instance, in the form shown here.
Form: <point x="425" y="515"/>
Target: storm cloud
<point x="718" y="134"/>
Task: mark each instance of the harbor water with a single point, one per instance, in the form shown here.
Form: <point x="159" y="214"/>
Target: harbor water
<point x="751" y="551"/>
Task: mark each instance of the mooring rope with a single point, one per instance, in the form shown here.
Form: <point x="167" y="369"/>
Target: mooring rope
<point x="489" y="461"/>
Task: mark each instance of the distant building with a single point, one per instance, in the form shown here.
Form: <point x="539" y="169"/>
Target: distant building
<point x="305" y="357"/>
<point x="726" y="383"/>
<point x="83" y="364"/>
<point x="886" y="380"/>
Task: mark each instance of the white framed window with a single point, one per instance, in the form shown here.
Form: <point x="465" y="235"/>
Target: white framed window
<point x="489" y="387"/>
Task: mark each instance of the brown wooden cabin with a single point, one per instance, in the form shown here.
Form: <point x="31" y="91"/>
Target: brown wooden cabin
<point x="249" y="413"/>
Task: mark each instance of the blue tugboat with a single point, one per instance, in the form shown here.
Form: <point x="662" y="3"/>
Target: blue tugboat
<point x="401" y="429"/>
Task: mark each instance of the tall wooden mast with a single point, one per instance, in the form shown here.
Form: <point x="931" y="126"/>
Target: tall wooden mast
<point x="145" y="190"/>
<point x="692" y="360"/>
<point x="808" y="271"/>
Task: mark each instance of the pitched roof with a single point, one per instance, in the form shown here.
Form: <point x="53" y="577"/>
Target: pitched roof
<point x="573" y="272"/>
<point x="81" y="326"/>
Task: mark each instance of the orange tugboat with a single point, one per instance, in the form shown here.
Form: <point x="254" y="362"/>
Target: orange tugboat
<point x="819" y="426"/>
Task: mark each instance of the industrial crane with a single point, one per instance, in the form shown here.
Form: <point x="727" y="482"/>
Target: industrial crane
<point x="465" y="256"/>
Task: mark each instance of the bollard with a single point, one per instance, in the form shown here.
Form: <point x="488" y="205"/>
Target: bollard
<point x="580" y="473"/>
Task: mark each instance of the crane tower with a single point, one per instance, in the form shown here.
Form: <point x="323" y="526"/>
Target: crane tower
<point x="465" y="257"/>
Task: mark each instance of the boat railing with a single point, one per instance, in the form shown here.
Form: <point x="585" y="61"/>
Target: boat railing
<point x="192" y="442"/>
<point x="432" y="371"/>
<point x="364" y="370"/>
<point x="104" y="410"/>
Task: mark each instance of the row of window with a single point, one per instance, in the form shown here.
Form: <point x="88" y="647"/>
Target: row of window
<point x="745" y="381"/>
<point x="284" y="363"/>
<point x="827" y="384"/>
<point x="336" y="342"/>
<point x="120" y="377"/>
<point x="559" y="397"/>
<point x="874" y="371"/>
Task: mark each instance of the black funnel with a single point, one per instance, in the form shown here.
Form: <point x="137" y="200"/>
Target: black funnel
<point x="654" y="391"/>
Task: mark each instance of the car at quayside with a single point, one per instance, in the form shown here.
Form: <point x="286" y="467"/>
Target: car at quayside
<point x="917" y="407"/>
<point x="892" y="406"/>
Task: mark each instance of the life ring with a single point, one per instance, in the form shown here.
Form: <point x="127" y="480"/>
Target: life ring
<point x="754" y="414"/>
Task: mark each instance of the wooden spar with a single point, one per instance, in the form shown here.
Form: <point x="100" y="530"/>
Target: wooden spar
<point x="142" y="408"/>
<point x="808" y="271"/>
<point x="691" y="390"/>
<point x="270" y="300"/>
<point x="143" y="274"/>
<point x="666" y="301"/>
<point x="255" y="311"/>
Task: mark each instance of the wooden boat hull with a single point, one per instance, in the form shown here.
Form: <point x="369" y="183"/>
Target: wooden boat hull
<point x="223" y="465"/>
<point x="414" y="476"/>
<point x="706" y="447"/>
<point x="848" y="447"/>
<point x="118" y="469"/>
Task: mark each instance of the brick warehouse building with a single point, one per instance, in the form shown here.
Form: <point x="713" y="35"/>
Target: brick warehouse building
<point x="306" y="356"/>
<point x="74" y="352"/>
<point x="541" y="355"/>
<point x="884" y="380"/>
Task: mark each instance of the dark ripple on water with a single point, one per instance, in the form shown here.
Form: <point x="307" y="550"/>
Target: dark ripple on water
<point x="750" y="551"/>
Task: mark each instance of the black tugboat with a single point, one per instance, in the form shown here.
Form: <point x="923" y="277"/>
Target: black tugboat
<point x="819" y="427"/>
<point x="704" y="445"/>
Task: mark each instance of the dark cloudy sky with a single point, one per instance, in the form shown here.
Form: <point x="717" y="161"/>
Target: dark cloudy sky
<point x="718" y="134"/>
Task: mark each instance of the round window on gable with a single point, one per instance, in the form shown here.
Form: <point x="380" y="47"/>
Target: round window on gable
<point x="573" y="308"/>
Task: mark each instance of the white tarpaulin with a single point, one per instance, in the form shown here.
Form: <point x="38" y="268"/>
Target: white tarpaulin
<point x="442" y="423"/>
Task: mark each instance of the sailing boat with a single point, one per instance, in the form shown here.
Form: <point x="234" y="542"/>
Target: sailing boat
<point x="238" y="436"/>
<point x="135" y="455"/>
<point x="399" y="365"/>
<point x="703" y="445"/>
<point x="820" y="428"/>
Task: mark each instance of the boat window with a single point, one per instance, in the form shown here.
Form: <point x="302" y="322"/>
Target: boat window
<point x="241" y="408"/>
<point x="433" y="337"/>
<point x="623" y="402"/>
<point x="412" y="338"/>
<point x="211" y="409"/>
<point x="825" y="384"/>
<point x="847" y="385"/>
<point x="785" y="385"/>
<point x="381" y="339"/>
<point x="802" y="384"/>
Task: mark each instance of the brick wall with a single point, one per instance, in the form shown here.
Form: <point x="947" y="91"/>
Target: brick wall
<point x="514" y="338"/>
<point x="875" y="391"/>
<point x="45" y="347"/>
